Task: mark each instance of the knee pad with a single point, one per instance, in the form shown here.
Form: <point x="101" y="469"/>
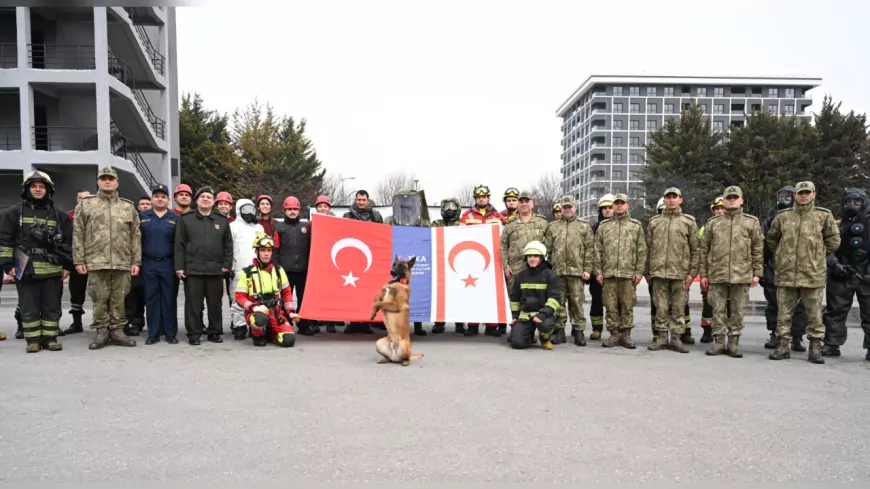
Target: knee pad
<point x="547" y="325"/>
<point x="259" y="320"/>
<point x="286" y="339"/>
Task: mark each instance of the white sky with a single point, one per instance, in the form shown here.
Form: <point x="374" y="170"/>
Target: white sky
<point x="465" y="92"/>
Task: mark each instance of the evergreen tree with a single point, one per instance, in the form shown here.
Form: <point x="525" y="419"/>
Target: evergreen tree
<point x="207" y="157"/>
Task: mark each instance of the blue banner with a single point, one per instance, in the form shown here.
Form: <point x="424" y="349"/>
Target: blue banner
<point x="413" y="241"/>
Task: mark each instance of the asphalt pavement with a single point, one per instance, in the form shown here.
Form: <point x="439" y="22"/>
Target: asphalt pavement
<point x="472" y="410"/>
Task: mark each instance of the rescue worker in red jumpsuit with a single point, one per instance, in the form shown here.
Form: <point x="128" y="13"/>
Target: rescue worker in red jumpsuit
<point x="482" y="212"/>
<point x="266" y="297"/>
<point x="511" y="201"/>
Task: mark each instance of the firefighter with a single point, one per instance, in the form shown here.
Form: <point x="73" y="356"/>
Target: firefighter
<point x="511" y="201"/>
<point x="534" y="300"/>
<point x="557" y="211"/>
<point x="36" y="249"/>
<point x="266" y="297"/>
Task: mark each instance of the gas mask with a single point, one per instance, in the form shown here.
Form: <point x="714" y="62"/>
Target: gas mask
<point x="407" y="208"/>
<point x="248" y="213"/>
<point x="785" y="198"/>
<point x="449" y="211"/>
<point x="854" y="203"/>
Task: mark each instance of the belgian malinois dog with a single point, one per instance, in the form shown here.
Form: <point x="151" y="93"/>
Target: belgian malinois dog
<point x="393" y="302"/>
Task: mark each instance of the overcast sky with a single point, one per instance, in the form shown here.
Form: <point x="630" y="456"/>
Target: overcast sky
<point x="465" y="92"/>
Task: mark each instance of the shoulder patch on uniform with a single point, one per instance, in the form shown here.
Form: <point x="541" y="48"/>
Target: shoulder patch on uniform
<point x="822" y="209"/>
<point x="631" y="219"/>
<point x="89" y="197"/>
<point x="127" y="201"/>
<point x="717" y="216"/>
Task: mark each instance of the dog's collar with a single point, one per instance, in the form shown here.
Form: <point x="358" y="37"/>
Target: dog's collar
<point x="403" y="281"/>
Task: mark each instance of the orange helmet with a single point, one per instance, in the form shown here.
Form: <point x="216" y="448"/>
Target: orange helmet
<point x="322" y="200"/>
<point x="182" y="188"/>
<point x="264" y="197"/>
<point x="224" y="197"/>
<point x="291" y="203"/>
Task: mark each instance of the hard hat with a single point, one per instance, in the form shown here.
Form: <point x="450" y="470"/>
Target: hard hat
<point x="322" y="200"/>
<point x="266" y="197"/>
<point x="224" y="197"/>
<point x="535" y="248"/>
<point x="557" y="207"/>
<point x="183" y="188"/>
<point x="291" y="203"/>
<point x="718" y="202"/>
<point x="606" y="200"/>
<point x="661" y="204"/>
<point x="480" y="191"/>
<point x="511" y="192"/>
<point x="263" y="241"/>
<point x="37" y="176"/>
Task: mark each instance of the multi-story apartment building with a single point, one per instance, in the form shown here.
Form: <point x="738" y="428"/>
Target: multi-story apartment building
<point x="607" y="122"/>
<point x="82" y="88"/>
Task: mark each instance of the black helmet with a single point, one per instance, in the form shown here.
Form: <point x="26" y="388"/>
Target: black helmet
<point x="36" y="176"/>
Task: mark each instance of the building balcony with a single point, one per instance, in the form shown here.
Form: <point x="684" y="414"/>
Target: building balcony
<point x="130" y="91"/>
<point x="61" y="56"/>
<point x="8" y="56"/>
<point x="130" y="40"/>
<point x="122" y="147"/>
<point x="10" y="138"/>
<point x="64" y="138"/>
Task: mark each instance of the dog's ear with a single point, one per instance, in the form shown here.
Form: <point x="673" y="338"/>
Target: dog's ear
<point x="397" y="260"/>
<point x="411" y="262"/>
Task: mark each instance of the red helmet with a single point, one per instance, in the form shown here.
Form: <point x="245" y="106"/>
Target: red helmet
<point x="224" y="197"/>
<point x="182" y="188"/>
<point x="291" y="203"/>
<point x="322" y="200"/>
<point x="264" y="197"/>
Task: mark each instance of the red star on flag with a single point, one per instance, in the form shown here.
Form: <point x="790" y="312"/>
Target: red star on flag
<point x="470" y="281"/>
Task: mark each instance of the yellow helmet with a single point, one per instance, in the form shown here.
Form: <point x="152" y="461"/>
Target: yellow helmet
<point x="557" y="207"/>
<point x="535" y="248"/>
<point x="263" y="241"/>
<point x="661" y="204"/>
<point x="717" y="202"/>
<point x="511" y="192"/>
<point x="480" y="191"/>
<point x="605" y="200"/>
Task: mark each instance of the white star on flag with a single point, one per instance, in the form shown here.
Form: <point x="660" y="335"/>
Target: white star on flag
<point x="349" y="279"/>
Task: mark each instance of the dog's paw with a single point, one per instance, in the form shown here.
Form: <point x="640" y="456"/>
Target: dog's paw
<point x="383" y="360"/>
<point x="405" y="363"/>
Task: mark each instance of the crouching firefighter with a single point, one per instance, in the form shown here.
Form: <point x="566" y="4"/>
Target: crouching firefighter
<point x="534" y="300"/>
<point x="36" y="248"/>
<point x="264" y="293"/>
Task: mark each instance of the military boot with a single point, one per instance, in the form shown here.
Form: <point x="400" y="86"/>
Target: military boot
<point x="733" y="347"/>
<point x="830" y="351"/>
<point x="773" y="341"/>
<point x="625" y="339"/>
<point x="101" y="340"/>
<point x="677" y="345"/>
<point x="502" y="328"/>
<point x="797" y="345"/>
<point x="459" y="328"/>
<point x="418" y="329"/>
<point x="472" y="331"/>
<point x="330" y="328"/>
<point x="718" y="346"/>
<point x="686" y="337"/>
<point x="613" y="340"/>
<point x="660" y="342"/>
<point x="707" y="337"/>
<point x="815" y="355"/>
<point x="120" y="339"/>
<point x="438" y="328"/>
<point x="76" y="326"/>
<point x="782" y="351"/>
<point x="558" y="337"/>
<point x="596" y="333"/>
<point x="130" y="330"/>
<point x="579" y="338"/>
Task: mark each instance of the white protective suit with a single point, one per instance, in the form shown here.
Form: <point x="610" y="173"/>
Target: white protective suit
<point x="243" y="254"/>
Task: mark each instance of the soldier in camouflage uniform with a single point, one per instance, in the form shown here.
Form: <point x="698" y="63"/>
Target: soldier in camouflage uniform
<point x="571" y="245"/>
<point x="801" y="238"/>
<point x="107" y="245"/>
<point x="410" y="209"/>
<point x="672" y="264"/>
<point x="620" y="260"/>
<point x="732" y="261"/>
<point x="450" y="209"/>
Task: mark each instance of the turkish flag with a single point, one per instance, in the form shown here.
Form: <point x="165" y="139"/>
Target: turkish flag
<point x="349" y="264"/>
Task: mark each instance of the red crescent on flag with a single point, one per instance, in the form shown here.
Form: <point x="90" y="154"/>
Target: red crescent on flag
<point x="468" y="245"/>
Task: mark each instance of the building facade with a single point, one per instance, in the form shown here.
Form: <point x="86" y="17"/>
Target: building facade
<point x="607" y="122"/>
<point x="82" y="88"/>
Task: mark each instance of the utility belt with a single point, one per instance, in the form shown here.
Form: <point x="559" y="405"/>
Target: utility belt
<point x="38" y="251"/>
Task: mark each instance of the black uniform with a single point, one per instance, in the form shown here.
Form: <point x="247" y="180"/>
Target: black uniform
<point x="293" y="239"/>
<point x="39" y="231"/>
<point x="849" y="275"/>
<point x="596" y="310"/>
<point x="536" y="292"/>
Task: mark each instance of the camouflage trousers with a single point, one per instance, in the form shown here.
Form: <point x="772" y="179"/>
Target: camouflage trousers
<point x="572" y="297"/>
<point x="670" y="299"/>
<point x="728" y="318"/>
<point x="787" y="300"/>
<point x="107" y="289"/>
<point x="620" y="297"/>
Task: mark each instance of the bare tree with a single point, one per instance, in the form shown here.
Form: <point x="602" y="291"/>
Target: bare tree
<point x="546" y="192"/>
<point x="333" y="186"/>
<point x="465" y="195"/>
<point x="391" y="184"/>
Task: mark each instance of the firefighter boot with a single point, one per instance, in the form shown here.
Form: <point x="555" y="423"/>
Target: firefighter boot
<point x="418" y="329"/>
<point x="773" y="341"/>
<point x="438" y="328"/>
<point x="472" y="330"/>
<point x="239" y="333"/>
<point x="625" y="339"/>
<point x="782" y="350"/>
<point x="830" y="351"/>
<point x="101" y="340"/>
<point x="660" y="342"/>
<point x="686" y="337"/>
<point x="718" y="346"/>
<point x="596" y="333"/>
<point x="815" y="355"/>
<point x="797" y="345"/>
<point x="459" y="328"/>
<point x="579" y="338"/>
<point x="677" y="345"/>
<point x="733" y="347"/>
<point x="120" y="339"/>
<point x="707" y="337"/>
<point x="19" y="333"/>
<point x="545" y="341"/>
<point x="52" y="345"/>
<point x="613" y="340"/>
<point x="33" y="345"/>
<point x="76" y="326"/>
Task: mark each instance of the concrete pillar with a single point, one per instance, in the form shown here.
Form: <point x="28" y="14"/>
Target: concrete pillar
<point x="101" y="56"/>
<point x="25" y="92"/>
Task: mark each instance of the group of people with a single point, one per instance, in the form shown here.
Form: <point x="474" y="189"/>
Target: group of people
<point x="133" y="259"/>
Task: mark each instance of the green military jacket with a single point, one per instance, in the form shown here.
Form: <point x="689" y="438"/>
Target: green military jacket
<point x="801" y="238"/>
<point x="440" y="223"/>
<point x="673" y="246"/>
<point x="732" y="249"/>
<point x="620" y="248"/>
<point x="516" y="235"/>
<point x="106" y="233"/>
<point x="570" y="246"/>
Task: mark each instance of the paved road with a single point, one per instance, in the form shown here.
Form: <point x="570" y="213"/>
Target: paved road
<point x="472" y="410"/>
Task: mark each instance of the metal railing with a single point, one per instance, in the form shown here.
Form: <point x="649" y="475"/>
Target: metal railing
<point x="124" y="148"/>
<point x="120" y="70"/>
<point x="10" y="138"/>
<point x="64" y="138"/>
<point x="158" y="61"/>
<point x="61" y="56"/>
<point x="8" y="55"/>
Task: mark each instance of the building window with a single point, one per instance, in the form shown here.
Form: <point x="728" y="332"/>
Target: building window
<point x="719" y="109"/>
<point x="789" y="109"/>
<point x="617" y="141"/>
<point x="701" y="92"/>
<point x="652" y="108"/>
<point x="617" y="124"/>
<point x="618" y="189"/>
<point x="771" y="108"/>
<point x="617" y="158"/>
<point x="718" y="92"/>
<point x="789" y="93"/>
<point x="635" y="108"/>
<point x="634" y="142"/>
<point x="651" y="125"/>
<point x="617" y="174"/>
<point x="633" y="159"/>
<point x="669" y="108"/>
<point x="669" y="91"/>
<point x="650" y="91"/>
<point x="703" y="108"/>
<point x="634" y="91"/>
<point x="773" y="92"/>
<point x="617" y="91"/>
<point x="617" y="108"/>
<point x="718" y="126"/>
<point x="635" y="125"/>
